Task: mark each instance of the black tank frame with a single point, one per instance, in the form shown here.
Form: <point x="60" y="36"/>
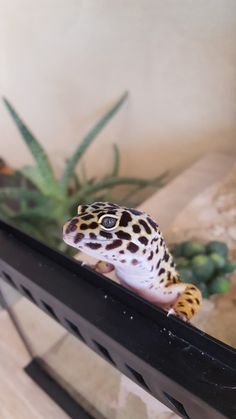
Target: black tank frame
<point x="189" y="371"/>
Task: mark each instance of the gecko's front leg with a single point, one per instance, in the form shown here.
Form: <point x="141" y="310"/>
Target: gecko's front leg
<point x="103" y="267"/>
<point x="188" y="301"/>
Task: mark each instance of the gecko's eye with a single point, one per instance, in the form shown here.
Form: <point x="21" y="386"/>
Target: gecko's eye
<point x="108" y="222"/>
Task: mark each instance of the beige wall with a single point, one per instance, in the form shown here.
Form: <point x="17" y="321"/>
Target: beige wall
<point x="63" y="62"/>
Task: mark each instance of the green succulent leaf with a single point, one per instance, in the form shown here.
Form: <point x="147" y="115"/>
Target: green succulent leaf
<point x="32" y="214"/>
<point x="116" y="163"/>
<point x="33" y="175"/>
<point x="22" y="194"/>
<point x="4" y="214"/>
<point x="45" y="171"/>
<point x="87" y="140"/>
<point x="111" y="182"/>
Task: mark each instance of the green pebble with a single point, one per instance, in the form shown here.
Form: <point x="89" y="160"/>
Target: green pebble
<point x="219" y="285"/>
<point x="177" y="249"/>
<point x="193" y="248"/>
<point x="181" y="262"/>
<point x="217" y="247"/>
<point x="202" y="267"/>
<point x="229" y="267"/>
<point x="204" y="290"/>
<point x="218" y="260"/>
<point x="186" y="275"/>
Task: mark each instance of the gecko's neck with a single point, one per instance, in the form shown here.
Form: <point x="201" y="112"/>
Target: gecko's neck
<point x="158" y="269"/>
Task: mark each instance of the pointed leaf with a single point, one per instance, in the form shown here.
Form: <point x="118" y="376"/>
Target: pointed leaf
<point x="22" y="194"/>
<point x="87" y="140"/>
<point x="111" y="182"/>
<point x="38" y="213"/>
<point x="44" y="167"/>
<point x="33" y="175"/>
<point x="116" y="164"/>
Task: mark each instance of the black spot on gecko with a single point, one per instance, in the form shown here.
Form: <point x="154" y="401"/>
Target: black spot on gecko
<point x="87" y="217"/>
<point x="111" y="211"/>
<point x="101" y="213"/>
<point x="143" y="240"/>
<point x="158" y="264"/>
<point x="157" y="249"/>
<point x="166" y="256"/>
<point x="111" y="204"/>
<point x="135" y="211"/>
<point x="71" y="227"/>
<point x="135" y="262"/>
<point x="132" y="247"/>
<point x="190" y="301"/>
<point x="152" y="223"/>
<point x="125" y="219"/>
<point x="84" y="226"/>
<point x="123" y="235"/>
<point x="106" y="234"/>
<point x="114" y="244"/>
<point x="121" y="252"/>
<point x="93" y="225"/>
<point x="93" y="245"/>
<point x="136" y="228"/>
<point x="78" y="237"/>
<point x="150" y="256"/>
<point x="184" y="313"/>
<point x="161" y="241"/>
<point x="145" y="226"/>
<point x="92" y="236"/>
<point x="83" y="208"/>
<point x="161" y="271"/>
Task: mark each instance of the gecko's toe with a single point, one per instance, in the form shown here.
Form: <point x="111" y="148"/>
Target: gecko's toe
<point x="172" y="312"/>
<point x="104" y="267"/>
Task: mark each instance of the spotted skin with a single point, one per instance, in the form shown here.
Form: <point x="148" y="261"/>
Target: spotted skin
<point x="130" y="242"/>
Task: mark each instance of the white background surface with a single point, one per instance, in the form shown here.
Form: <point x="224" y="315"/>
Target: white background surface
<point x="64" y="62"/>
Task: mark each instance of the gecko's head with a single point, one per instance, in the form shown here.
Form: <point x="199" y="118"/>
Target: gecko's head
<point x="110" y="232"/>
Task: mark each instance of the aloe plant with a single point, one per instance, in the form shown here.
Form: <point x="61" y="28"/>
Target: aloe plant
<point x="45" y="202"/>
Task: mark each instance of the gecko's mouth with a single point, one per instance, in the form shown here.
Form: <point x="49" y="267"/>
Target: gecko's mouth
<point x="86" y="239"/>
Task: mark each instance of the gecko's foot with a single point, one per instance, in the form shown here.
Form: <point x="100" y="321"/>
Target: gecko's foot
<point x="172" y="312"/>
<point x="103" y="267"/>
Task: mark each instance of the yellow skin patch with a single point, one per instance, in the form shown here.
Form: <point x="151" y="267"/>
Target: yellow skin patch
<point x="130" y="242"/>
